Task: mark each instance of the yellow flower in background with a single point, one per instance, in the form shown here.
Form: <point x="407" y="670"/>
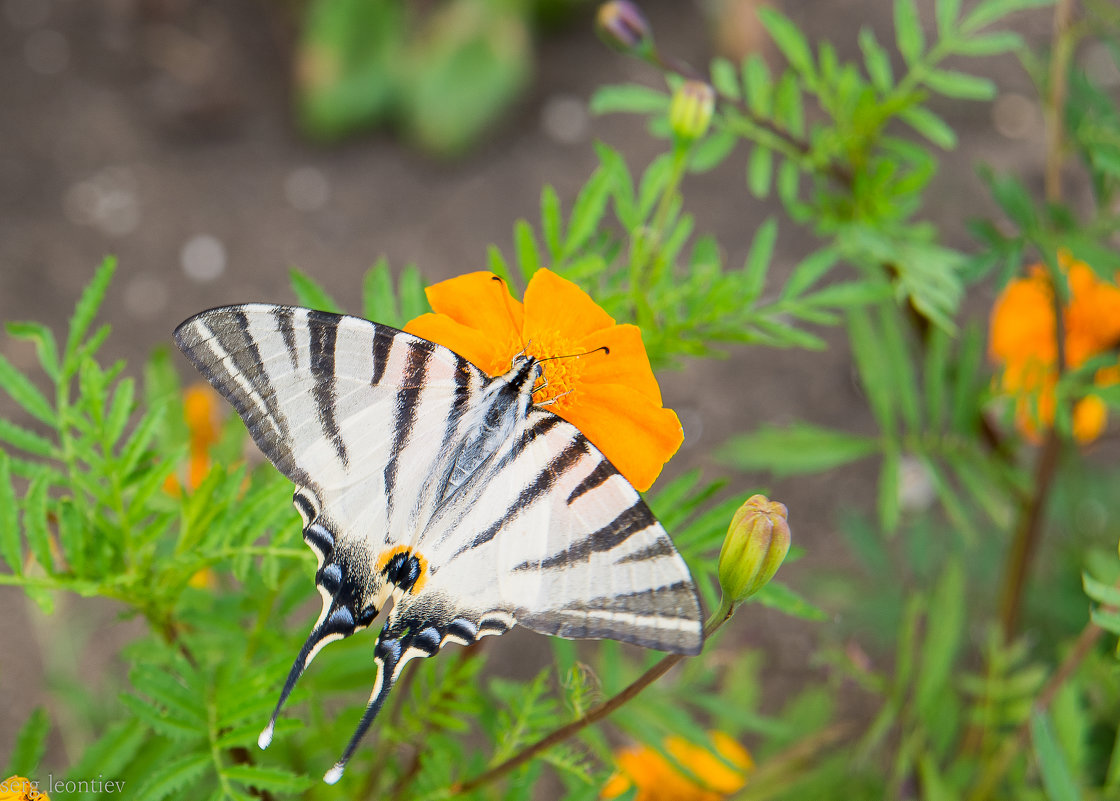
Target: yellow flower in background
<point x="202" y="412"/>
<point x="715" y="773"/>
<point x="602" y="384"/>
<point x="17" y="788"/>
<point x="1023" y="339"/>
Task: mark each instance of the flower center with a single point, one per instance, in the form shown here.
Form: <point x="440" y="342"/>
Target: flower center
<point x="561" y="375"/>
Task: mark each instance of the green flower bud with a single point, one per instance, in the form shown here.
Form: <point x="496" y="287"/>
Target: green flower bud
<point x="756" y="543"/>
<point x="623" y="27"/>
<point x="690" y="111"/>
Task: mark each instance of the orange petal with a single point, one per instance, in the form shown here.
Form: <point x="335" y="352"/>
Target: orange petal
<point x="554" y="304"/>
<point x="1023" y="322"/>
<point x="627" y="362"/>
<point x="481" y="301"/>
<point x="1089" y="418"/>
<point x="477" y="347"/>
<point x="637" y="435"/>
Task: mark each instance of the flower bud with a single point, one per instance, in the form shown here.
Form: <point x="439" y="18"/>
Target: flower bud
<point x="756" y="543"/>
<point x="690" y="112"/>
<point x="623" y="27"/>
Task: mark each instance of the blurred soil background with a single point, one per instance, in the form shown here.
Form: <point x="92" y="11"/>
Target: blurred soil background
<point x="161" y="131"/>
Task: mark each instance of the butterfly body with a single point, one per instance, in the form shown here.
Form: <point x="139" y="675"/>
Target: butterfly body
<point x="421" y="478"/>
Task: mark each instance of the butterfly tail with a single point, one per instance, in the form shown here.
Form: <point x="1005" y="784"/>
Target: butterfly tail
<point x="390" y="657"/>
<point x="337" y="623"/>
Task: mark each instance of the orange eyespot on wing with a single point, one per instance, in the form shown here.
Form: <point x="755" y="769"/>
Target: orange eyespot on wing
<point x="403" y="568"/>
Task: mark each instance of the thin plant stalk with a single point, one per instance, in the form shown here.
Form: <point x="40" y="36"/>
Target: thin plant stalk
<point x="595" y="714"/>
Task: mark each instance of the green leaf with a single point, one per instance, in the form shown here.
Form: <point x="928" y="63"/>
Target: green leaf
<point x="551" y="222"/>
<point x="758" y="85"/>
<point x="11" y="545"/>
<point x="25" y="440"/>
<point x="1013" y="197"/>
<point x="628" y="99"/>
<point x="760" y="168"/>
<point x="588" y="210"/>
<point x="758" y="258"/>
<point x="45" y="345"/>
<point x="899" y="365"/>
<point x="84" y="312"/>
<point x="810" y="270"/>
<point x="908" y="31"/>
<point x="963" y="412"/>
<point x="876" y="60"/>
<point x="947" y="13"/>
<point x="790" y="41"/>
<point x="935" y="787"/>
<point x="120" y="409"/>
<point x="309" y="293"/>
<point x="112" y="752"/>
<point x="525" y="244"/>
<point x="35" y="522"/>
<point x="142" y="436"/>
<point x="1099" y="591"/>
<point x="725" y="78"/>
<point x="931" y="126"/>
<point x="175" y="775"/>
<point x="1107" y="619"/>
<point x="959" y="85"/>
<point x="276" y="780"/>
<point x="991" y="10"/>
<point x="1057" y="778"/>
<point x="30" y="745"/>
<point x="777" y="595"/>
<point x="789" y="111"/>
<point x="789" y="183"/>
<point x="379" y="299"/>
<point x="849" y="294"/>
<point x="410" y="290"/>
<point x="991" y="44"/>
<point x="870" y="357"/>
<point x="944" y="635"/>
<point x="23" y="392"/>
<point x="712" y="150"/>
<point x="796" y="450"/>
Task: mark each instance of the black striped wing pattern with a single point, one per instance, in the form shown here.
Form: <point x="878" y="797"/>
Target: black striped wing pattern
<point x="420" y="478"/>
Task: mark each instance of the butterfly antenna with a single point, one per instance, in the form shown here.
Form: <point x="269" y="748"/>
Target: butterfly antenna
<point x="603" y="348"/>
<point x="387" y="657"/>
<point x="509" y="311"/>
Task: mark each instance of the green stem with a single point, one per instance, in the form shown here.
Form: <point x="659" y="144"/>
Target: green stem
<point x="597" y="713"/>
<point x="1028" y="533"/>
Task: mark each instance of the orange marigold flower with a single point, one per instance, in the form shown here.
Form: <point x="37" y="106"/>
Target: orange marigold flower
<point x="609" y="394"/>
<point x="202" y="411"/>
<point x="17" y="788"/>
<point x="1024" y="340"/>
<point x="714" y="775"/>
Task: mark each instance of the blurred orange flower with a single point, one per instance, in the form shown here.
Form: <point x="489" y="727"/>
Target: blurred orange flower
<point x="17" y="788"/>
<point x="1024" y="340"/>
<point x="610" y="394"/>
<point x="714" y="774"/>
<point x="202" y="412"/>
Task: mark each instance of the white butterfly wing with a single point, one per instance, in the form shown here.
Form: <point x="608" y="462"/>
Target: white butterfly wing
<point x="551" y="536"/>
<point x="502" y="513"/>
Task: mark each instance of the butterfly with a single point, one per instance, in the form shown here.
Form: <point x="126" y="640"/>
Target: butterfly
<point x="420" y="478"/>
